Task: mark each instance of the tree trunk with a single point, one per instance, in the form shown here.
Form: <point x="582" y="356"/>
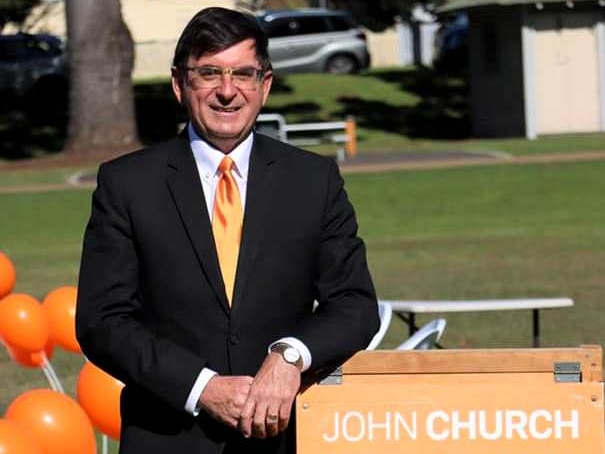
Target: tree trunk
<point x="101" y="58"/>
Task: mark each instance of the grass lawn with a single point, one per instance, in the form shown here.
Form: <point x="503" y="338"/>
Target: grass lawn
<point x="465" y="233"/>
<point x="396" y="109"/>
<point x="494" y="232"/>
<point x="488" y="232"/>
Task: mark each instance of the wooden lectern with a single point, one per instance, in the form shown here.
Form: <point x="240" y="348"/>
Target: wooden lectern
<point x="504" y="401"/>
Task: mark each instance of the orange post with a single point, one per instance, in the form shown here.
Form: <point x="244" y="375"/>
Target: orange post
<point x="351" y="133"/>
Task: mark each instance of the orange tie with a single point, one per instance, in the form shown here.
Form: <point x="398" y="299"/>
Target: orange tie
<point x="227" y="221"/>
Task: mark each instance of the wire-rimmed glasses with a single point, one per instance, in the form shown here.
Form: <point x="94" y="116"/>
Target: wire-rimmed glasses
<point x="206" y="76"/>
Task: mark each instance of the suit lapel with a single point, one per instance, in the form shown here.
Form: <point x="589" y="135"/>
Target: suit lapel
<point x="258" y="199"/>
<point x="186" y="189"/>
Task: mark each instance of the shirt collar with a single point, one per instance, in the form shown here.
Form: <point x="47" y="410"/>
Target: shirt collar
<point x="208" y="157"/>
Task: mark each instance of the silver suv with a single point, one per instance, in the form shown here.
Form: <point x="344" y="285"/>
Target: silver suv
<point x="314" y="40"/>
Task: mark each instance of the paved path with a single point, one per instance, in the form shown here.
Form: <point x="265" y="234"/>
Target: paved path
<point x="439" y="161"/>
<point x="362" y="164"/>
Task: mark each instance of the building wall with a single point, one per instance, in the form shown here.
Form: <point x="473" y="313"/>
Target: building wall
<point x="156" y="29"/>
<point x="567" y="69"/>
<point x="496" y="72"/>
<point x="404" y="43"/>
<point x="384" y="47"/>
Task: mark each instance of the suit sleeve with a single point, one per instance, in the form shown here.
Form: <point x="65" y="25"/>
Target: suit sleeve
<point x="347" y="315"/>
<point x="109" y="315"/>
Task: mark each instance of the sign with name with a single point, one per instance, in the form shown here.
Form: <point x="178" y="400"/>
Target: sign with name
<point x="451" y="413"/>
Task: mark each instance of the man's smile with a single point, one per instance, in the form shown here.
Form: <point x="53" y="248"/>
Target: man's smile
<point x="222" y="109"/>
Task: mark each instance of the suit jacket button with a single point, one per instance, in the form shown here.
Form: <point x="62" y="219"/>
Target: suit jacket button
<point x="233" y="339"/>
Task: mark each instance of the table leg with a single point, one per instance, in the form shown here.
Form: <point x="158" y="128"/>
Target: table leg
<point x="410" y="320"/>
<point x="536" y="327"/>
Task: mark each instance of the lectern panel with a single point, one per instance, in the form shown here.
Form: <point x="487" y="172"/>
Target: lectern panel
<point x="453" y="413"/>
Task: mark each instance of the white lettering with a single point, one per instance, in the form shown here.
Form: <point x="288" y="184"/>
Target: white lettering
<point x="372" y="425"/>
<point x="361" y="429"/>
<point x="334" y="437"/>
<point x="430" y="423"/>
<point x="533" y="425"/>
<point x="470" y="424"/>
<point x="484" y="432"/>
<point x="573" y="424"/>
<point x="515" y="421"/>
<point x="540" y="424"/>
<point x="411" y="430"/>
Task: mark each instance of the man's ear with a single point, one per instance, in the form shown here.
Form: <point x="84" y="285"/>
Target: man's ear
<point x="266" y="87"/>
<point x="177" y="85"/>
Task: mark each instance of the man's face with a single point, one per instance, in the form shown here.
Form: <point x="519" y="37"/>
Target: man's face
<point x="225" y="113"/>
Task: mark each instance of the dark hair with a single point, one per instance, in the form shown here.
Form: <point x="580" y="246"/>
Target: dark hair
<point x="215" y="29"/>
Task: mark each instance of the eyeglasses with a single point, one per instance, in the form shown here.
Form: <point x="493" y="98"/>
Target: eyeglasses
<point x="245" y="78"/>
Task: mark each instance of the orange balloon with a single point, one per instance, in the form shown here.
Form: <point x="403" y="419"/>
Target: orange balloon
<point x="23" y="322"/>
<point x="56" y="420"/>
<point x="28" y="359"/>
<point x="15" y="439"/>
<point x="60" y="307"/>
<point x="99" y="396"/>
<point x="8" y="275"/>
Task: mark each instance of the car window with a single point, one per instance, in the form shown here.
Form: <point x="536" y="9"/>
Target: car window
<point x="21" y="49"/>
<point x="311" y="24"/>
<point x="40" y="48"/>
<point x="339" y="23"/>
<point x="12" y="50"/>
<point x="280" y="27"/>
<point x="296" y="26"/>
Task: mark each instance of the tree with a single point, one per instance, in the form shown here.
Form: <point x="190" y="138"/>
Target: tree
<point x="101" y="59"/>
<point x="15" y="11"/>
<point x="255" y="5"/>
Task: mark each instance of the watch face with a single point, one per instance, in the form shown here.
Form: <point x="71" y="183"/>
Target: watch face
<point x="291" y="355"/>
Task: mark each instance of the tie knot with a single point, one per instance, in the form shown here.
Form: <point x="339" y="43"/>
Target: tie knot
<point x="226" y="165"/>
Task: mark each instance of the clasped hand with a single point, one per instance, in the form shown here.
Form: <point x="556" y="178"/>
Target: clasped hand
<point x="258" y="407"/>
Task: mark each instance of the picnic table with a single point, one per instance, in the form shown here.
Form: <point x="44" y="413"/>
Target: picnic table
<point x="407" y="309"/>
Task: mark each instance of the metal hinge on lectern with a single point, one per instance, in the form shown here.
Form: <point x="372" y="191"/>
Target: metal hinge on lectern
<point x="568" y="372"/>
<point x="335" y="377"/>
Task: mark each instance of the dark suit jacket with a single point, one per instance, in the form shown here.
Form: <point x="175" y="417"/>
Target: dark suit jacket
<point x="152" y="309"/>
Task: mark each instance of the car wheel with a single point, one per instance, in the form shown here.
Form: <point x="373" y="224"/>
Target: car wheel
<point x="341" y="64"/>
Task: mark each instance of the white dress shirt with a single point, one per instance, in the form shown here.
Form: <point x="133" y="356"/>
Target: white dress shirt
<point x="207" y="160"/>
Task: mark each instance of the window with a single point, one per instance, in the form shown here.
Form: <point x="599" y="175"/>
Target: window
<point x="24" y="48"/>
<point x="310" y="25"/>
<point x="339" y="23"/>
<point x="296" y="26"/>
<point x="12" y="50"/>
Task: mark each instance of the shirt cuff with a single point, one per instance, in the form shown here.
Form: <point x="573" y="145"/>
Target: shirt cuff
<point x="298" y="345"/>
<point x="192" y="406"/>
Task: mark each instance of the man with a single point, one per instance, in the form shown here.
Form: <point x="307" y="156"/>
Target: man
<point x="203" y="258"/>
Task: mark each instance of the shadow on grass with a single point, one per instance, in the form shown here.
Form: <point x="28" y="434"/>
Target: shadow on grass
<point x="36" y="126"/>
<point x="33" y="125"/>
<point x="159" y="116"/>
<point x="442" y="113"/>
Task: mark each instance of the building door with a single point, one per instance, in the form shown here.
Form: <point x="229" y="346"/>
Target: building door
<point x="567" y="73"/>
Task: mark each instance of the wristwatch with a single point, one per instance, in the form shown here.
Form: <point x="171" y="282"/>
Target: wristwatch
<point x="288" y="353"/>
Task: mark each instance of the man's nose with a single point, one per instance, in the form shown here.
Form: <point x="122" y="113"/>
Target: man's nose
<point x="226" y="90"/>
